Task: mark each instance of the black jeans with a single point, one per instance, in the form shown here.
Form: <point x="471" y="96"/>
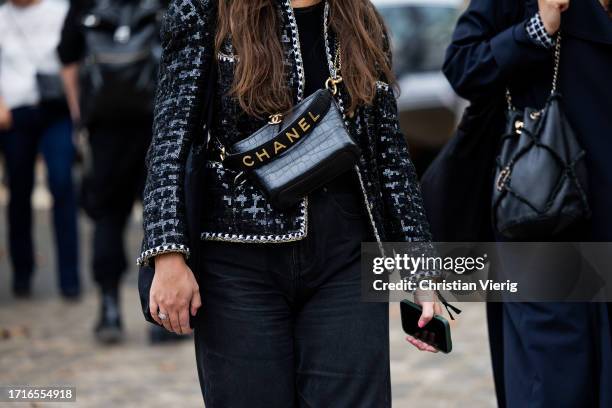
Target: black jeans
<point x="113" y="183"/>
<point x="283" y="325"/>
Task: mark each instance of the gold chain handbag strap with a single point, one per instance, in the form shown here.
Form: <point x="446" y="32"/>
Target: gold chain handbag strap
<point x="332" y="82"/>
<point x="555" y="80"/>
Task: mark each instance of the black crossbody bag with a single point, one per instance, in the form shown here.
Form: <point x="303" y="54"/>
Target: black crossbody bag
<point x="540" y="175"/>
<point x="294" y="155"/>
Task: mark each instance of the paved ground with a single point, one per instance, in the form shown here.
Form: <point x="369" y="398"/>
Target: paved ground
<point x="51" y="344"/>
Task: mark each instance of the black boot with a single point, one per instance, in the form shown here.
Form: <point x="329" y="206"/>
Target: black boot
<point x="22" y="292"/>
<point x="22" y="288"/>
<point x="109" y="329"/>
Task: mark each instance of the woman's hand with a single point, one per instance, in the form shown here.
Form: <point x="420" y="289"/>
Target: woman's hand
<point x="6" y="117"/>
<point x="174" y="293"/>
<point x="550" y="12"/>
<point x="429" y="302"/>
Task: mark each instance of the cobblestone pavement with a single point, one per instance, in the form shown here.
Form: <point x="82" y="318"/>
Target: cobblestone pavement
<point x="52" y="344"/>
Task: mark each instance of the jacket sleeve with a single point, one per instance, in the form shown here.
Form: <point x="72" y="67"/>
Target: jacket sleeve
<point x="404" y="212"/>
<point x="405" y="219"/>
<point x="72" y="43"/>
<point x="490" y="44"/>
<point x="188" y="41"/>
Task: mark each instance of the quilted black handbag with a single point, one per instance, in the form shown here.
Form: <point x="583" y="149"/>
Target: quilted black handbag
<point x="292" y="156"/>
<point x="540" y="175"/>
<point x="290" y="159"/>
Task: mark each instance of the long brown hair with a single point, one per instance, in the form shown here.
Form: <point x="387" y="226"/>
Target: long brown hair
<point x="260" y="82"/>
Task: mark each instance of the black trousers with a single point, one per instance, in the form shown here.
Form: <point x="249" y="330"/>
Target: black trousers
<point x="550" y="354"/>
<point x="283" y="325"/>
<point x="112" y="184"/>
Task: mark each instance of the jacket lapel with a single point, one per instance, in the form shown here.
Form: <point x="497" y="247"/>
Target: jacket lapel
<point x="291" y="40"/>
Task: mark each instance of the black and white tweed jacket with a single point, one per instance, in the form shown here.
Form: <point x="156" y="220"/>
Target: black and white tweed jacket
<point x="236" y="212"/>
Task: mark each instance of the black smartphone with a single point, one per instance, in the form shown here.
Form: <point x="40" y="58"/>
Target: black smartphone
<point x="436" y="333"/>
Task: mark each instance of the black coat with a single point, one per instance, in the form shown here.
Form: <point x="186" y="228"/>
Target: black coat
<point x="491" y="51"/>
<point x="457" y="186"/>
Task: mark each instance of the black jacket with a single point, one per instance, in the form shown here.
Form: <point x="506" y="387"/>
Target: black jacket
<point x="236" y="212"/>
<point x="458" y="185"/>
<point x="490" y="51"/>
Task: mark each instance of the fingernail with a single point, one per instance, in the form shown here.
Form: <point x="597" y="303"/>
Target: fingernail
<point x="421" y="324"/>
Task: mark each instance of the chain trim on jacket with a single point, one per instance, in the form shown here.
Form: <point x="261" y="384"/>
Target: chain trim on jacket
<point x="332" y="70"/>
<point x="297" y="51"/>
<point x="382" y="85"/>
<point x="221" y="56"/>
<point x="149" y="254"/>
<point x="264" y="239"/>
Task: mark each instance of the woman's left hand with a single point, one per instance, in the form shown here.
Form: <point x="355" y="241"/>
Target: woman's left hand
<point x="428" y="300"/>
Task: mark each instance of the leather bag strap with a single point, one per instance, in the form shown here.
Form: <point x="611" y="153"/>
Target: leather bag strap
<point x="299" y="129"/>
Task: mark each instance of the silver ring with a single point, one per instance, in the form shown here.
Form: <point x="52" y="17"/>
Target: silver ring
<point x="162" y="316"/>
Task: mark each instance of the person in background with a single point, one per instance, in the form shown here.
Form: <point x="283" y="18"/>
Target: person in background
<point x="548" y="354"/>
<point x="34" y="118"/>
<point x="110" y="94"/>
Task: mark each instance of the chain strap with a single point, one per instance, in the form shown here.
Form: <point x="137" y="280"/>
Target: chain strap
<point x="338" y="59"/>
<point x="332" y="82"/>
<point x="557" y="63"/>
<point x="555" y="80"/>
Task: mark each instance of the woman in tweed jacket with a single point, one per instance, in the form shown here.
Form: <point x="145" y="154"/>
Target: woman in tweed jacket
<point x="281" y="317"/>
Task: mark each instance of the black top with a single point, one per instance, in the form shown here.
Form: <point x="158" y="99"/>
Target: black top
<point x="72" y="43"/>
<point x="310" y="22"/>
<point x="312" y="45"/>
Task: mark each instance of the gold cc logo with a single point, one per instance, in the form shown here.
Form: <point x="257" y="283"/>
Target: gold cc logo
<point x="275" y="119"/>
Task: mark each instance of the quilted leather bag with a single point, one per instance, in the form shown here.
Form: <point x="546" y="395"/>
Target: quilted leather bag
<point x="292" y="156"/>
<point x="540" y="176"/>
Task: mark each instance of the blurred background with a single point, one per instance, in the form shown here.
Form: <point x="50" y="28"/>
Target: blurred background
<point x="429" y="108"/>
<point x="47" y="338"/>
